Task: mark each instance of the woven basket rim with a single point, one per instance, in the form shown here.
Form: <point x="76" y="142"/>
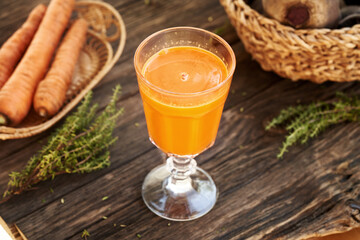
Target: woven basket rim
<point x="298" y="32"/>
<point x="317" y="55"/>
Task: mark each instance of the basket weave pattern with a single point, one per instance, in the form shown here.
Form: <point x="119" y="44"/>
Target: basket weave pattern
<point x="312" y="54"/>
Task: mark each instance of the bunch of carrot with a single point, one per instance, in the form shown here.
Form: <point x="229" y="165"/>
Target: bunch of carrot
<point x="25" y="76"/>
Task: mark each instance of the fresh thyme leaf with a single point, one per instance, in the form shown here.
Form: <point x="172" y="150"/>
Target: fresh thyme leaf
<point x="85" y="234"/>
<point x="308" y="121"/>
<point x="80" y="145"/>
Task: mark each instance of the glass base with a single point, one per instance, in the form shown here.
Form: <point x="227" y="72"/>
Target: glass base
<point x="179" y="199"/>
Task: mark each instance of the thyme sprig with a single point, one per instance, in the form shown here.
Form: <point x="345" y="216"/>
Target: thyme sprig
<point x="306" y="121"/>
<point x="80" y="145"/>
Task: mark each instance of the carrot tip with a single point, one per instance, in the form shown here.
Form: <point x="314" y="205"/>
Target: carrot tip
<point x="3" y="120"/>
<point x="42" y="112"/>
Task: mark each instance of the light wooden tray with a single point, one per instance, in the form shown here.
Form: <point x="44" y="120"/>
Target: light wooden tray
<point x="16" y="232"/>
<point x="105" y="43"/>
<point x="12" y="230"/>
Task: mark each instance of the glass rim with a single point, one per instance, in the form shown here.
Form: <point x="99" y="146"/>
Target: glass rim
<point x="217" y="37"/>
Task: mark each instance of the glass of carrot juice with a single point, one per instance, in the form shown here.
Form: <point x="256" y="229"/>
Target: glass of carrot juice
<point x="184" y="75"/>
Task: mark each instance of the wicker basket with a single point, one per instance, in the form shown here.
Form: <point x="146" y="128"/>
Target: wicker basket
<point x="104" y="45"/>
<point x="312" y="54"/>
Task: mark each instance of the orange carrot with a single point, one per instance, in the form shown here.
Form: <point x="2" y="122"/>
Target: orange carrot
<point x="13" y="49"/>
<point x="51" y="92"/>
<point x="17" y="93"/>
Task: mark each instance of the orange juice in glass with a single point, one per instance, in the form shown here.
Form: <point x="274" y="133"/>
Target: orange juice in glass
<point x="184" y="75"/>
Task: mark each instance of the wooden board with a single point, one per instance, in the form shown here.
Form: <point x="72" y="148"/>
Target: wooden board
<point x="309" y="191"/>
<point x="350" y="235"/>
<point x="5" y="230"/>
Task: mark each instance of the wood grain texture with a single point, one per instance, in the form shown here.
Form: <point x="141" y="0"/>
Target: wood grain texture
<point x="309" y="191"/>
<point x="350" y="235"/>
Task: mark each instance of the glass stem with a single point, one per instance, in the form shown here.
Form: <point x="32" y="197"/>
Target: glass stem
<point x="180" y="167"/>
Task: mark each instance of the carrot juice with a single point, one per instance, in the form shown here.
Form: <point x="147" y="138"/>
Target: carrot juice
<point x="184" y="111"/>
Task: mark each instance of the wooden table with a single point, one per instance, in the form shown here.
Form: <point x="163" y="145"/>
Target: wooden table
<point x="242" y="162"/>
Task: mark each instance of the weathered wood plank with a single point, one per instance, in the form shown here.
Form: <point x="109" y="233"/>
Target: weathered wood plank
<point x="242" y="209"/>
<point x="135" y="145"/>
<point x="261" y="197"/>
<point x="133" y="141"/>
<point x="15" y="159"/>
<point x="351" y="235"/>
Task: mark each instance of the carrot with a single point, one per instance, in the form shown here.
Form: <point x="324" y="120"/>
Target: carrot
<point x="51" y="92"/>
<point x="13" y="49"/>
<point x="17" y="93"/>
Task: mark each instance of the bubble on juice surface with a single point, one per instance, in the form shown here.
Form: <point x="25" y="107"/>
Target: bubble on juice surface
<point x="163" y="51"/>
<point x="184" y="76"/>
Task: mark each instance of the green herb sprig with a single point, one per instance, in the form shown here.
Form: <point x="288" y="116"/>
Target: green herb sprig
<point x="80" y="145"/>
<point x="307" y="121"/>
<point x="85" y="234"/>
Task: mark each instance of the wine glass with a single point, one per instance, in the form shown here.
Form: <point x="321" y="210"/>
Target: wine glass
<point x="182" y="124"/>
